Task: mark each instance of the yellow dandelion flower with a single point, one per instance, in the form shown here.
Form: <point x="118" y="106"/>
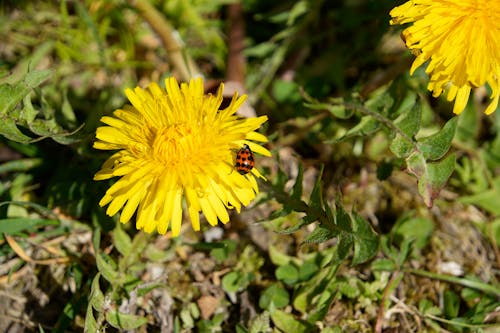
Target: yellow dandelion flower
<point x="462" y="41"/>
<point x="177" y="149"/>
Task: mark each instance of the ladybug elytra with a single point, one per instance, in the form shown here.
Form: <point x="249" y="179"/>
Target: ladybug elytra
<point x="244" y="160"/>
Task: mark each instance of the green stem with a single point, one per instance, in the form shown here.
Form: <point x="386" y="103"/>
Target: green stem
<point x="382" y="120"/>
<point x="481" y="286"/>
<point x="179" y="58"/>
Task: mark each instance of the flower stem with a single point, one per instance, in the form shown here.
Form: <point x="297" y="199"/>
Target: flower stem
<point x="179" y="58"/>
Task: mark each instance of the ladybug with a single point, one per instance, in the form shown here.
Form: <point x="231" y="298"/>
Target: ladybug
<point x="244" y="160"/>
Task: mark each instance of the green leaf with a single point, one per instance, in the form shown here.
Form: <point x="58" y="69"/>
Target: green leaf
<point x="307" y="270"/>
<point x="432" y="177"/>
<point x="287" y="322"/>
<point x="222" y="250"/>
<point x="488" y="200"/>
<point x="344" y="246"/>
<point x="322" y="306"/>
<point x="383" y="264"/>
<point x="435" y="146"/>
<point x="285" y="91"/>
<point x="418" y="228"/>
<point x="451" y="304"/>
<point x="409" y="123"/>
<point x="12" y="94"/>
<point x="124" y="321"/>
<point x="279" y="258"/>
<point x="366" y="126"/>
<point x="122" y="241"/>
<point x="275" y="295"/>
<point x="316" y="198"/>
<point x="342" y="218"/>
<point x="231" y="282"/>
<point x="107" y="270"/>
<point x="15" y="225"/>
<point x="337" y="109"/>
<point x="289" y="274"/>
<point x="20" y="165"/>
<point x="35" y="78"/>
<point x="319" y="235"/>
<point x="96" y="299"/>
<point x="439" y="172"/>
<point x="8" y="129"/>
<point x="366" y="241"/>
<point x="90" y="322"/>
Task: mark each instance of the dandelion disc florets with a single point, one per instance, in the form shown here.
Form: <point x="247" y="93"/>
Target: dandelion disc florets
<point x="461" y="40"/>
<point x="176" y="149"/>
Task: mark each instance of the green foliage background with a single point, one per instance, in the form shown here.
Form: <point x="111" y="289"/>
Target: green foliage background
<point x="380" y="213"/>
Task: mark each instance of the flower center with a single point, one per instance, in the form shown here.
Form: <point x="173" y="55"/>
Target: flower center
<point x="173" y="145"/>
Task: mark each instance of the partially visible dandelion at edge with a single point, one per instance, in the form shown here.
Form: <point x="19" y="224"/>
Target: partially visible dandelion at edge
<point x="462" y="41"/>
<point x="176" y="149"/>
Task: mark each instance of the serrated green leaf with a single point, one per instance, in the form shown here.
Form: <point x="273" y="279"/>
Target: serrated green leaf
<point x="366" y="126"/>
<point x="287" y="322"/>
<point x="401" y="146"/>
<point x="8" y="129"/>
<point x="316" y="198"/>
<point x="366" y="241"/>
<point x="106" y="270"/>
<point x="344" y="246"/>
<point x="409" y="123"/>
<point x="12" y="94"/>
<point x="431" y="176"/>
<point x="124" y="321"/>
<point x="319" y="235"/>
<point x="96" y="299"/>
<point x="439" y="173"/>
<point x="435" y="146"/>
<point x="34" y="78"/>
<point x="303" y="222"/>
<point x="342" y="218"/>
<point x="122" y="241"/>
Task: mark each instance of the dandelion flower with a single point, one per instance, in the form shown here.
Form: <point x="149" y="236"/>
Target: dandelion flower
<point x="176" y="151"/>
<point x="462" y="41"/>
